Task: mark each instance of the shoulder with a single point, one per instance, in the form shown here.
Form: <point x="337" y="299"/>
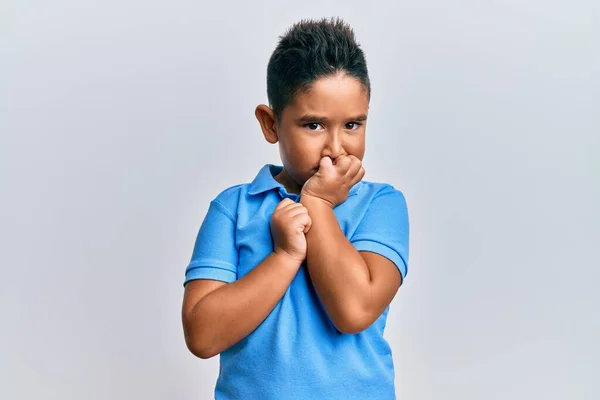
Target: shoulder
<point x="381" y="190"/>
<point x="230" y="195"/>
<point x="229" y="199"/>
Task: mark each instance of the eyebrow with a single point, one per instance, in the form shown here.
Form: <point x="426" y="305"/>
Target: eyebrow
<point x="312" y="118"/>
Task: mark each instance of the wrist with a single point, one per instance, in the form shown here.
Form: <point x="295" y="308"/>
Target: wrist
<point x="287" y="259"/>
<point x="308" y="200"/>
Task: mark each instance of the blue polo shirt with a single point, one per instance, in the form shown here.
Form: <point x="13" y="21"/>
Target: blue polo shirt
<point x="297" y="352"/>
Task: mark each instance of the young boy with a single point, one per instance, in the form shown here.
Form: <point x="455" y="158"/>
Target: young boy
<point x="292" y="275"/>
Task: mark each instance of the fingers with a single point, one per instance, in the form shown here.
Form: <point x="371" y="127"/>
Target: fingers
<point x="348" y="165"/>
<point x="304" y="220"/>
<point x="358" y="177"/>
<point x="343" y="163"/>
<point x="355" y="171"/>
<point x="293" y="211"/>
<point x="296" y="213"/>
<point x="283" y="203"/>
<point x="309" y="225"/>
<point x="291" y="206"/>
<point x="354" y="167"/>
<point x="325" y="163"/>
<point x="286" y="205"/>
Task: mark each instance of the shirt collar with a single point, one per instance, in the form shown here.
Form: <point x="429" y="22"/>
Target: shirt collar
<point x="265" y="181"/>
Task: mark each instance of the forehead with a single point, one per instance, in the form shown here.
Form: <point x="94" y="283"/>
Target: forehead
<point x="335" y="96"/>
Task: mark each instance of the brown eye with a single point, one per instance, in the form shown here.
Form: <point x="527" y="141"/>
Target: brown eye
<point x="356" y="125"/>
<point x="312" y="124"/>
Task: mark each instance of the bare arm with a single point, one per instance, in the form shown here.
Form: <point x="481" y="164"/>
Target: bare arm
<point x="216" y="315"/>
<point x="355" y="288"/>
<point x="338" y="272"/>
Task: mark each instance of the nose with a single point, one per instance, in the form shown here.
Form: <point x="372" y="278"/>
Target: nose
<point x="333" y="147"/>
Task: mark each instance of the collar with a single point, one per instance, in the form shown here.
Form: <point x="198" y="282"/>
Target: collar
<point x="265" y="181"/>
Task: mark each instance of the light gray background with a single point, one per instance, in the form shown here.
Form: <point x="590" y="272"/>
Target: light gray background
<point x="121" y="120"/>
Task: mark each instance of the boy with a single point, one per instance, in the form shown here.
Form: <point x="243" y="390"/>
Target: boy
<point x="292" y="275"/>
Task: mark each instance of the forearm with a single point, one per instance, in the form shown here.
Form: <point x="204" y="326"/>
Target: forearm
<point x="338" y="272"/>
<point x="233" y="311"/>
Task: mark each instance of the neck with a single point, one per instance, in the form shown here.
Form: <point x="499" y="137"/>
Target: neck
<point x="290" y="185"/>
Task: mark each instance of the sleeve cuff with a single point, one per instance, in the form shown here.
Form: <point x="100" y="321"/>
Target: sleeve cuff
<point x="194" y="272"/>
<point x="390" y="254"/>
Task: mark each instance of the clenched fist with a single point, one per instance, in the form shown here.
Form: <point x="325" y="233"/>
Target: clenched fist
<point x="332" y="183"/>
<point x="289" y="223"/>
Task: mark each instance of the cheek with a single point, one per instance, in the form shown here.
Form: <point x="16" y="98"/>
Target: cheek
<point x="292" y="154"/>
<point x="302" y="148"/>
<point x="356" y="147"/>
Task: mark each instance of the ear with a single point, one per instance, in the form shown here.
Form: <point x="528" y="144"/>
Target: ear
<point x="266" y="118"/>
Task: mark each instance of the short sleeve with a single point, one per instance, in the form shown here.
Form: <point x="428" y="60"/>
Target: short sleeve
<point x="384" y="228"/>
<point x="215" y="255"/>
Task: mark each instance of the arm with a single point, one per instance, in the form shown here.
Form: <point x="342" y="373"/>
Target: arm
<point x="355" y="280"/>
<point x="355" y="288"/>
<point x="216" y="315"/>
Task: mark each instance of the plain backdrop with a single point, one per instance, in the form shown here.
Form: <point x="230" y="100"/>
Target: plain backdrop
<point x="121" y="120"/>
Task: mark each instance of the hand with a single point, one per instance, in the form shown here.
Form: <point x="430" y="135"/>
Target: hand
<point x="332" y="183"/>
<point x="289" y="224"/>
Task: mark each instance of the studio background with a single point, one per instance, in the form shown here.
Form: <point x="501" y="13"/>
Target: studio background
<point x="121" y="120"/>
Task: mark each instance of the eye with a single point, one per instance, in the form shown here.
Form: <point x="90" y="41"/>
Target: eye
<point x="312" y="124"/>
<point x="356" y="125"/>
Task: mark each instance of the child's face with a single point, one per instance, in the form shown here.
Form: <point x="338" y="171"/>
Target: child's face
<point x="328" y="120"/>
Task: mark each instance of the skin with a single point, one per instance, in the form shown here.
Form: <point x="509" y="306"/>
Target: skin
<point x="322" y="160"/>
<point x="216" y="315"/>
